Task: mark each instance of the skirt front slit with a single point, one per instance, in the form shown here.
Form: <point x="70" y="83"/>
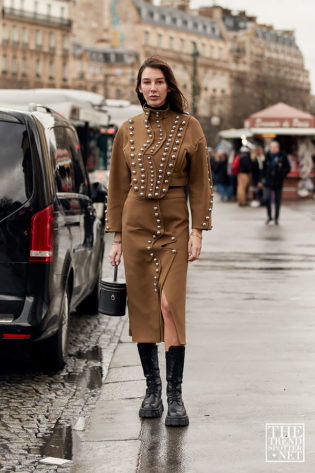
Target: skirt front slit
<point x="155" y="248"/>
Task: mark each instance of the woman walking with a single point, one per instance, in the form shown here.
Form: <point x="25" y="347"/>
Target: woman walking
<point x="155" y="154"/>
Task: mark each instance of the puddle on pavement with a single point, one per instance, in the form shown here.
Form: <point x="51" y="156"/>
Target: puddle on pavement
<point x="62" y="443"/>
<point x="94" y="354"/>
<point x="258" y="261"/>
<point x="91" y="376"/>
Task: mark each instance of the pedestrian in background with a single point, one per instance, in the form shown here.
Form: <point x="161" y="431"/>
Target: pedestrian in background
<point x="213" y="162"/>
<point x="275" y="169"/>
<point x="235" y="169"/>
<point x="220" y="168"/>
<point x="257" y="157"/>
<point x="155" y="154"/>
<point x="243" y="177"/>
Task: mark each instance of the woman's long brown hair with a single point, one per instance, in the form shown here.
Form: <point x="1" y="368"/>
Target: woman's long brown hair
<point x="175" y="98"/>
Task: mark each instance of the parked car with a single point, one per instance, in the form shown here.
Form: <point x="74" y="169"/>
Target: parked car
<point x="51" y="240"/>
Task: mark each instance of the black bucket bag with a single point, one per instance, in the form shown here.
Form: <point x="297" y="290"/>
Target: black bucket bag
<point x="113" y="295"/>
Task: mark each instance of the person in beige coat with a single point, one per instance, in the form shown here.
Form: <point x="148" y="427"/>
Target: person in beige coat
<point x="155" y="155"/>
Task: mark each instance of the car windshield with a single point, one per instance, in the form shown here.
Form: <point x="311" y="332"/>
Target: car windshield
<point x="16" y="175"/>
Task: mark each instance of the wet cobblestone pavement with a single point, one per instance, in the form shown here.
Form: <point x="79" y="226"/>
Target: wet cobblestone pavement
<point x="39" y="409"/>
<point x="42" y="413"/>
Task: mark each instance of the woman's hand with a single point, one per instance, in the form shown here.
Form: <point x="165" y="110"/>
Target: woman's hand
<point x="194" y="245"/>
<point x="116" y="250"/>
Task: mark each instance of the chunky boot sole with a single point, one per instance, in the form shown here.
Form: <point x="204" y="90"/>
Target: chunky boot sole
<point x="171" y="421"/>
<point x="147" y="412"/>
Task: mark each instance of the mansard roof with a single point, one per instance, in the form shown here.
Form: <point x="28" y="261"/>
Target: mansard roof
<point x="106" y="54"/>
<point x="275" y="36"/>
<point x="177" y="20"/>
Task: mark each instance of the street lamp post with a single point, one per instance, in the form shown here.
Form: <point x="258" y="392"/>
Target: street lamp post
<point x="195" y="55"/>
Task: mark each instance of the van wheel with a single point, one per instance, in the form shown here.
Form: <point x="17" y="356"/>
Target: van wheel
<point x="55" y="348"/>
<point x="89" y="305"/>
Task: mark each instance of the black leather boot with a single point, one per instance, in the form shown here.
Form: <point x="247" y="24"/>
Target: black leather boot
<point x="176" y="414"/>
<point x="152" y="405"/>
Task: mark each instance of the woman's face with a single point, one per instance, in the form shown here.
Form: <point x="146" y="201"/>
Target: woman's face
<point x="153" y="86"/>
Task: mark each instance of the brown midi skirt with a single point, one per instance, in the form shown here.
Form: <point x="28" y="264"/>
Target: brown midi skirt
<point x="155" y="249"/>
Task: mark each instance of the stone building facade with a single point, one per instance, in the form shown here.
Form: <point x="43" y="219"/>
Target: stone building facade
<point x="267" y="65"/>
<point x="240" y="66"/>
<point x="35" y="43"/>
<point x="137" y="29"/>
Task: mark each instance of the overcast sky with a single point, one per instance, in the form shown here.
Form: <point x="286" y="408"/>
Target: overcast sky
<point x="297" y="15"/>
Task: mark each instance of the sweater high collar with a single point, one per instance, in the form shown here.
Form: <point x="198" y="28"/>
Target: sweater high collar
<point x="157" y="112"/>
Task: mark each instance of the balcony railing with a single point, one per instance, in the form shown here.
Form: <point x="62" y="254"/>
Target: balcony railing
<point x="35" y="17"/>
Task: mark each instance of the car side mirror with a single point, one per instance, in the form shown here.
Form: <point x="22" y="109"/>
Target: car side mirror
<point x="99" y="192"/>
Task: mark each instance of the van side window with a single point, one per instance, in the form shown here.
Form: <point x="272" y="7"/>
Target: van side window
<point x="80" y="177"/>
<point x="16" y="178"/>
<point x="62" y="160"/>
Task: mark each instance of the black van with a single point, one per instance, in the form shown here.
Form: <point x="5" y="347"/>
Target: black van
<point x="51" y="240"/>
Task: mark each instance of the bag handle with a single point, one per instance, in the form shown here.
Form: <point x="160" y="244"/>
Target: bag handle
<point x="115" y="272"/>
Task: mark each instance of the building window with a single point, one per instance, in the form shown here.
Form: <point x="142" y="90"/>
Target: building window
<point x="118" y="94"/>
<point x="146" y="37"/>
<point x="37" y="68"/>
<point x="171" y="42"/>
<point x="23" y="67"/>
<point x="24" y="36"/>
<point x="51" y="71"/>
<point x="22" y="4"/>
<point x="214" y="82"/>
<point x="35" y="7"/>
<point x="38" y="39"/>
<point x="5" y="34"/>
<point x="4" y="64"/>
<point x="182" y="44"/>
<point x="65" y="42"/>
<point x="159" y="40"/>
<point x="64" y="72"/>
<point x="79" y="69"/>
<point x="49" y="9"/>
<point x="14" y="66"/>
<point x="223" y="83"/>
<point x="51" y="40"/>
<point x="15" y="34"/>
<point x="62" y="12"/>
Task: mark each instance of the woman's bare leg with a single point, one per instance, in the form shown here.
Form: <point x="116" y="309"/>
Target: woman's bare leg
<point x="170" y="333"/>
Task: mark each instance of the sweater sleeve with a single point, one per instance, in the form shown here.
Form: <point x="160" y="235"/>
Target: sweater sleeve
<point x="118" y="187"/>
<point x="200" y="186"/>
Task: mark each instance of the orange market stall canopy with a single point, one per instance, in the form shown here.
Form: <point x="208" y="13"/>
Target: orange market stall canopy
<point x="281" y="119"/>
<point x="294" y="129"/>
